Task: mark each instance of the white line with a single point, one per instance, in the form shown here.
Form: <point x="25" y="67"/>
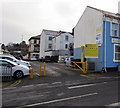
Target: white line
<point x="42" y="84"/>
<point x="56" y="83"/>
<point x="28" y="86"/>
<point x="81" y="86"/>
<point x="64" y="99"/>
<point x="86" y="85"/>
<point x="9" y="88"/>
<point x="114" y="104"/>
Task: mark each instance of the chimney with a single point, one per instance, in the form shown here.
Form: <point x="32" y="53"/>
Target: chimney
<point x="119" y="7"/>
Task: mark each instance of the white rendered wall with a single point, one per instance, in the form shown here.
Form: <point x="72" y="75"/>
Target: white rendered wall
<point x="85" y="30"/>
<point x="42" y="45"/>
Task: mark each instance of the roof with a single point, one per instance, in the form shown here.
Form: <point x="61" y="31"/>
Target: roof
<point x="35" y="37"/>
<point x="106" y="13"/>
<point x="55" y="33"/>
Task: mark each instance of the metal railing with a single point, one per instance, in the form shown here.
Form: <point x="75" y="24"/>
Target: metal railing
<point x="5" y="73"/>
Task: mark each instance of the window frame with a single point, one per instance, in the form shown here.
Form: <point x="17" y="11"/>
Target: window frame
<point x="114" y="59"/>
<point x="66" y="39"/>
<point x="50" y="38"/>
<point x="117" y="24"/>
<point x="66" y="45"/>
<point x="49" y="45"/>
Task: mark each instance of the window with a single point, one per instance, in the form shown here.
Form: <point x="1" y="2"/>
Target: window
<point x="66" y="37"/>
<point x="117" y="53"/>
<point x="4" y="63"/>
<point x="35" y="41"/>
<point x="114" y="31"/>
<point x="49" y="46"/>
<point x="50" y="38"/>
<point x="66" y="46"/>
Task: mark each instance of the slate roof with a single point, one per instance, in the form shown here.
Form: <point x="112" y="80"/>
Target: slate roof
<point x="35" y="37"/>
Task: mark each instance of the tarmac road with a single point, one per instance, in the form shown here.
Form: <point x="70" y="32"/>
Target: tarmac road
<point x="61" y="87"/>
<point x="63" y="94"/>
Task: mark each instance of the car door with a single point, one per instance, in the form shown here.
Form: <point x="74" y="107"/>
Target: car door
<point x="6" y="68"/>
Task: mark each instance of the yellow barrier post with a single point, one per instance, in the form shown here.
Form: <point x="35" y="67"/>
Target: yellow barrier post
<point x="40" y="69"/>
<point x="31" y="73"/>
<point x="44" y="69"/>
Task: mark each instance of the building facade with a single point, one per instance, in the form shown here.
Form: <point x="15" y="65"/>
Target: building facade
<point x="34" y="47"/>
<point x="55" y="43"/>
<point x="103" y="28"/>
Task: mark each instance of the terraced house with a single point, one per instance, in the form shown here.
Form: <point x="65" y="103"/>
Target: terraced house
<point x="54" y="45"/>
<point x="100" y="27"/>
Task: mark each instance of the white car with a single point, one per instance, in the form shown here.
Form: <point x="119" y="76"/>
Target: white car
<point x="18" y="71"/>
<point x="12" y="58"/>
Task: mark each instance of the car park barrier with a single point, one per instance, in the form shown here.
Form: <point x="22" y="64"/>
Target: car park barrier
<point x="82" y="67"/>
<point x="6" y="73"/>
<point x="42" y="73"/>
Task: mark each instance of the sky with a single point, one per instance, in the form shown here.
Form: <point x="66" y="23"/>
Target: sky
<point x="22" y="19"/>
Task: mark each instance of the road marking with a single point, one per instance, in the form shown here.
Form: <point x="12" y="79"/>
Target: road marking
<point x="15" y="83"/>
<point x="57" y="83"/>
<point x="42" y="84"/>
<point x="28" y="86"/>
<point x="59" y="100"/>
<point x="9" y="88"/>
<point x="60" y="94"/>
<point x="87" y="85"/>
<point x="81" y="86"/>
<point x="114" y="104"/>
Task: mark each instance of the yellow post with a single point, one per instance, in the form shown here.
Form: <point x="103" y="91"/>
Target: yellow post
<point x="40" y="69"/>
<point x="44" y="69"/>
<point x="86" y="66"/>
<point x="31" y="73"/>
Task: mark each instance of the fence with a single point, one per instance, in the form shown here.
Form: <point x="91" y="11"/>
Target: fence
<point x="5" y="73"/>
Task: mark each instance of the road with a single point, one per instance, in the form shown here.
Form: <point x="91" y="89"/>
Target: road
<point x="62" y="87"/>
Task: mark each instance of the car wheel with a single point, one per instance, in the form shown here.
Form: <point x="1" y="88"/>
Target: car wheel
<point x="18" y="74"/>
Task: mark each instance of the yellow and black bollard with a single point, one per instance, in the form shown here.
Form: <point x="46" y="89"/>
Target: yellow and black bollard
<point x="42" y="73"/>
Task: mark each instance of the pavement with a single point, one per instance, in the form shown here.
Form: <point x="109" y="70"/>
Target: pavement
<point x="102" y="74"/>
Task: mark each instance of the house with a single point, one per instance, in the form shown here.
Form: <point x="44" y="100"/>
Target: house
<point x="3" y="49"/>
<point x="100" y="27"/>
<point x="34" y="47"/>
<point x="55" y="44"/>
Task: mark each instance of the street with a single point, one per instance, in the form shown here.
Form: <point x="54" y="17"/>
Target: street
<point x="61" y="87"/>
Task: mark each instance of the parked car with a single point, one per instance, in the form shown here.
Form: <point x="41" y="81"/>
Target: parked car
<point x="12" y="58"/>
<point x="18" y="70"/>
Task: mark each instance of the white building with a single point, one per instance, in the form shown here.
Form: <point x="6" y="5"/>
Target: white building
<point x="100" y="27"/>
<point x="55" y="43"/>
<point x="34" y="47"/>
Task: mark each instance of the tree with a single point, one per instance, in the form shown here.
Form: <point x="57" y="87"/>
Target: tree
<point x="3" y="47"/>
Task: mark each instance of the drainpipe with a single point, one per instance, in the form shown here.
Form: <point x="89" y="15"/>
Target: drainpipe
<point x="105" y="43"/>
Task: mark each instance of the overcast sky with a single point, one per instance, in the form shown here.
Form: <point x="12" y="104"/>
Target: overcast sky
<point x="26" y="18"/>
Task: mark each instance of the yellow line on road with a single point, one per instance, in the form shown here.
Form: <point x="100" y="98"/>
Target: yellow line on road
<point x="15" y="83"/>
<point x="97" y="76"/>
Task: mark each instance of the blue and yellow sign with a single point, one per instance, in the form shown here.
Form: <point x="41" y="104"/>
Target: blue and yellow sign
<point x="91" y="51"/>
